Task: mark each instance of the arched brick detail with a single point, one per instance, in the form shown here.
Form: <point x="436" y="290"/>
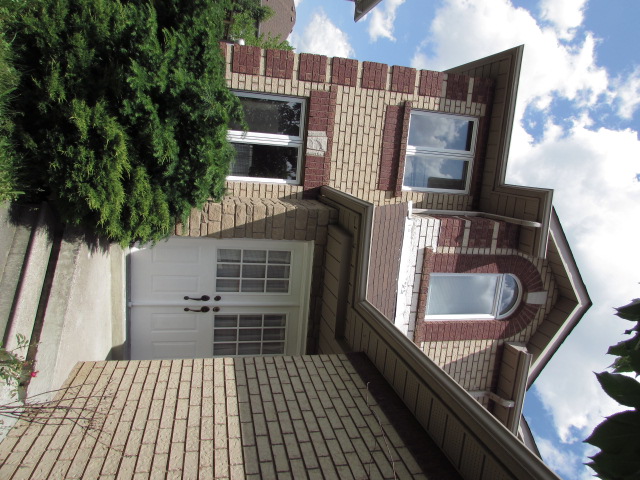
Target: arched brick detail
<point x="527" y="273"/>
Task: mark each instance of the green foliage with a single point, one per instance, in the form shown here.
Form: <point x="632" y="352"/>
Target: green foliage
<point x="13" y="364"/>
<point x="618" y="436"/>
<point x="8" y="81"/>
<point x="123" y="113"/>
<point x="244" y="25"/>
<point x="628" y="351"/>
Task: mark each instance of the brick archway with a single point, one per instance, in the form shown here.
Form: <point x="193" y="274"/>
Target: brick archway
<point x="520" y="267"/>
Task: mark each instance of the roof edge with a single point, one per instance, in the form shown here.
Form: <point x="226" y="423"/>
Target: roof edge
<point x="557" y="235"/>
<point x="514" y="55"/>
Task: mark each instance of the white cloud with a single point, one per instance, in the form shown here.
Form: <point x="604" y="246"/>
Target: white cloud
<point x="297" y="2"/>
<point x="627" y="94"/>
<point x="321" y="36"/>
<point x="596" y="194"/>
<point x="382" y="18"/>
<point x="564" y="15"/>
<point x="562" y="461"/>
<point x="465" y="31"/>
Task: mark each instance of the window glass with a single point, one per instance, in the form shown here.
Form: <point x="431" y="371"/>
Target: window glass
<point x="462" y="294"/>
<point x="509" y="295"/>
<point x="440" y="151"/>
<point x="271" y="147"/>
<point x="440" y="132"/>
<point x="265" y="161"/>
<point x="266" y="115"/>
<point x="424" y="171"/>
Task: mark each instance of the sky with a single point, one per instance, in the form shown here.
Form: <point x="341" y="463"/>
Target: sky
<point x="576" y="131"/>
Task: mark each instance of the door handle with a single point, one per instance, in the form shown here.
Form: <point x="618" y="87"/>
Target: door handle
<point x="203" y="298"/>
<point x="201" y="309"/>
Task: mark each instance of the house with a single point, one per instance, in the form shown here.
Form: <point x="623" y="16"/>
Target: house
<point x="370" y="243"/>
<point x="281" y="23"/>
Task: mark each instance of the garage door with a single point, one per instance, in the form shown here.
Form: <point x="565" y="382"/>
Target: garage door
<point x="201" y="297"/>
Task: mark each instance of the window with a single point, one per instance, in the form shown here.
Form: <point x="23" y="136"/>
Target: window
<point x="440" y="152"/>
<point x="472" y="296"/>
<point x="271" y="149"/>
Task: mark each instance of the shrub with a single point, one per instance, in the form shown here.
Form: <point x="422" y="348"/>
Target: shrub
<point x="123" y="110"/>
<point x="8" y="81"/>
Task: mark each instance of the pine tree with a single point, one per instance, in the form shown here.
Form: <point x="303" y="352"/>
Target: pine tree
<point x="123" y="110"/>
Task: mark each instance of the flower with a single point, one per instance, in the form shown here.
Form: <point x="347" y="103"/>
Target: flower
<point x="34" y="373"/>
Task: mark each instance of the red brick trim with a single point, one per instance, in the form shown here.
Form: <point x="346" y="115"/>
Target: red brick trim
<point x="457" y="87"/>
<point x="430" y="331"/>
<point x="394" y="147"/>
<point x="431" y="83"/>
<point x="246" y="59"/>
<point x="402" y="150"/>
<point x="508" y="235"/>
<point x="403" y="79"/>
<point x="391" y="137"/>
<point x="374" y="75"/>
<point x="279" y="64"/>
<point x="427" y="262"/>
<point x="344" y="71"/>
<point x="477" y="173"/>
<point x="482" y="90"/>
<point x="322" y="111"/>
<point x="312" y="68"/>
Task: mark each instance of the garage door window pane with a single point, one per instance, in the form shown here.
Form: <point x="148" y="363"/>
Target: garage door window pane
<point x="247" y="266"/>
<point x="249" y="334"/>
<point x="229" y="256"/>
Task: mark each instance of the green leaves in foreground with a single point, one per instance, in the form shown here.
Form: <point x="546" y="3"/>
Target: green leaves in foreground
<point x="121" y="120"/>
<point x="618" y="436"/>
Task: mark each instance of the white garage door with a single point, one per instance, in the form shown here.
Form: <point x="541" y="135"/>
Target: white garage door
<point x="202" y="297"/>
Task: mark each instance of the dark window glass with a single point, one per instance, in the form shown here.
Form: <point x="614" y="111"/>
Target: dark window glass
<point x="265" y="115"/>
<point x="265" y="161"/>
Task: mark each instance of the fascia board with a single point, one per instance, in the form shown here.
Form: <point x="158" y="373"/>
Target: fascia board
<point x="580" y="290"/>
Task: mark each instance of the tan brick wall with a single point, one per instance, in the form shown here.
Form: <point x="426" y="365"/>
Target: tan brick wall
<point x="358" y="120"/>
<point x="472" y="363"/>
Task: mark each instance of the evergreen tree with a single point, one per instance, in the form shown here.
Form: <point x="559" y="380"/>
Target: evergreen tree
<point x="123" y="110"/>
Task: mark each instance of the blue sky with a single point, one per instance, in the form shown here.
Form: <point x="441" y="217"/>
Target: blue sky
<point x="576" y="131"/>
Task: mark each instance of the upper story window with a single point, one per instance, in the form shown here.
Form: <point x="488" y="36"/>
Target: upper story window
<point x="440" y="151"/>
<point x="472" y="296"/>
<point x="271" y="149"/>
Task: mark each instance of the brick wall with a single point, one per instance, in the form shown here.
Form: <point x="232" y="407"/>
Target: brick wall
<point x="274" y="219"/>
<point x="348" y="147"/>
<point x="470" y="351"/>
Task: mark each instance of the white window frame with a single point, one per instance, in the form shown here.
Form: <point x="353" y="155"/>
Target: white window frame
<point x="495" y="315"/>
<point x="449" y="154"/>
<point x="253" y="138"/>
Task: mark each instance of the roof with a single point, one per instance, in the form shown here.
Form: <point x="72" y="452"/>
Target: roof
<point x="497" y="197"/>
<point x="572" y="303"/>
<point x="477" y="444"/>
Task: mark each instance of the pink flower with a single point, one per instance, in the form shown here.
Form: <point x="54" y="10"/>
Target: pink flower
<point x="34" y="373"/>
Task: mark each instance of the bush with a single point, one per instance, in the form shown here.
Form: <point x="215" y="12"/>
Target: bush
<point x="8" y="81"/>
<point x="123" y="110"/>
